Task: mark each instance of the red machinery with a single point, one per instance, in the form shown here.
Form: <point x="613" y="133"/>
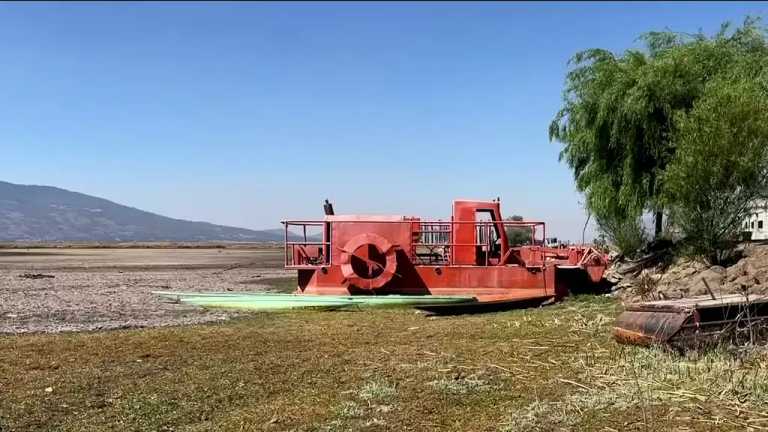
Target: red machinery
<point x="468" y="255"/>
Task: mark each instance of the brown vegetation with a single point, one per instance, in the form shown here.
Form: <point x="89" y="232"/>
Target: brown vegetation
<point x="553" y="368"/>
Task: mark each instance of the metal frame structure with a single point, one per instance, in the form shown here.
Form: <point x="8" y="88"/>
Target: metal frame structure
<point x="426" y="230"/>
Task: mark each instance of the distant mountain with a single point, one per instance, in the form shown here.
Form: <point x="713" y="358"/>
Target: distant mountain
<point x="45" y="213"/>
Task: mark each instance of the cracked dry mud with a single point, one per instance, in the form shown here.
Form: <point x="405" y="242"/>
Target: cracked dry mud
<point x="96" y="289"/>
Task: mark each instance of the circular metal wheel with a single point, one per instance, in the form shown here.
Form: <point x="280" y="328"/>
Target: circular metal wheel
<point x="368" y="261"/>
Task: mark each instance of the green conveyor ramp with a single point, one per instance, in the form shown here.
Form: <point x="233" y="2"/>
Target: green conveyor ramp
<point x="267" y="301"/>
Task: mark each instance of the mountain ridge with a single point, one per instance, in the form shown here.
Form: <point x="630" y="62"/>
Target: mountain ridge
<point x="50" y="213"/>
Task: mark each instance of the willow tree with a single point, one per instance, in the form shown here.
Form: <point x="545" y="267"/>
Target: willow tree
<point x="618" y="116"/>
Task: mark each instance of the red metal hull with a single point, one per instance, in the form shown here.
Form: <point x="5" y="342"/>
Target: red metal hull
<point x="441" y="280"/>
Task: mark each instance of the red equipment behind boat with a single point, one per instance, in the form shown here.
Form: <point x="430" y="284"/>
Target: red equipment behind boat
<point x="468" y="255"/>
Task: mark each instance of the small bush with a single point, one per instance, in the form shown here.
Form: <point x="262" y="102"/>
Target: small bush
<point x="626" y="233"/>
<point x="377" y="391"/>
<point x="348" y="410"/>
<point x="460" y="386"/>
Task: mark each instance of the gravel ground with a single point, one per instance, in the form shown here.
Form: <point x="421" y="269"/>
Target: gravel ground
<point x="117" y="294"/>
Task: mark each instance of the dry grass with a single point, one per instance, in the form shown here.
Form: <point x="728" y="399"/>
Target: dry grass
<point x="553" y="368"/>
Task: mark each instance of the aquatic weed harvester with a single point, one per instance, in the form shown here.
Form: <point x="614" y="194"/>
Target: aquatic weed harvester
<point x="463" y="264"/>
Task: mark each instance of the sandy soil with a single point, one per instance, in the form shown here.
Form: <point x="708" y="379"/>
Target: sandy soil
<point x="94" y="289"/>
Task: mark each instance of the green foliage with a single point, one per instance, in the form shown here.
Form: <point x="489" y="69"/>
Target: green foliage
<point x="618" y="119"/>
<point x="517" y="236"/>
<point x="721" y="164"/>
<point x="625" y="233"/>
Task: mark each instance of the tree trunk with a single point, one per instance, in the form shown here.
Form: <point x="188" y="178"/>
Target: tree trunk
<point x="658" y="216"/>
<point x="583" y="231"/>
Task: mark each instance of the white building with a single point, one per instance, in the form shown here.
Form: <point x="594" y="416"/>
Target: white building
<point x="757" y="221"/>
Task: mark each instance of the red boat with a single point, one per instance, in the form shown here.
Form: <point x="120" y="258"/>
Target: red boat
<point x="468" y="255"/>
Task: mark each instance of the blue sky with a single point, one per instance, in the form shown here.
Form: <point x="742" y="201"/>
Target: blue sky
<point x="248" y="113"/>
